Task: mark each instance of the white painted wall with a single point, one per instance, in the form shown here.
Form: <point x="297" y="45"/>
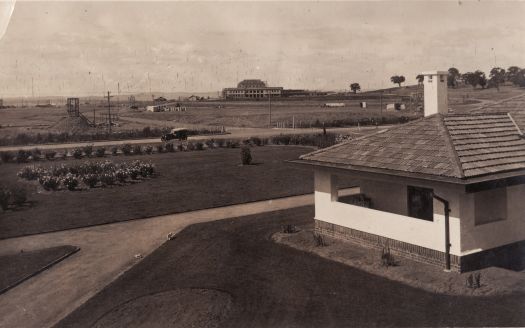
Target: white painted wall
<point x="399" y="227"/>
<point x="435" y="88"/>
<point x="493" y="234"/>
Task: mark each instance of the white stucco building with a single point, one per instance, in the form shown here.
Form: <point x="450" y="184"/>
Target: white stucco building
<point x="472" y="164"/>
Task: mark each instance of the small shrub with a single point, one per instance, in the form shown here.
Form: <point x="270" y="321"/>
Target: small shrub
<point x="210" y="143"/>
<point x="170" y="147"/>
<point x="23" y="156"/>
<point x="199" y="146"/>
<point x="121" y="175"/>
<point x="160" y="148"/>
<point x="30" y="173"/>
<point x="137" y="150"/>
<point x="5" y="195"/>
<point x="180" y="147"/>
<point x="190" y="146"/>
<point x="100" y="152"/>
<point x="148" y="149"/>
<point x="70" y="182"/>
<point x="77" y="153"/>
<point x="474" y="280"/>
<point x="19" y="196"/>
<point x="319" y="240"/>
<point x="114" y="150"/>
<point x="246" y="155"/>
<point x="255" y="141"/>
<point x="108" y="178"/>
<point x="134" y="173"/>
<point x="290" y="228"/>
<point x="88" y="150"/>
<point x="50" y="154"/>
<point x="126" y="149"/>
<point x="49" y="182"/>
<point x="36" y="154"/>
<point x="90" y="180"/>
<point x="7" y="156"/>
<point x="387" y="259"/>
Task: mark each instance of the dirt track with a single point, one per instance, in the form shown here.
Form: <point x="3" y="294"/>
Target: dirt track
<point x="234" y="133"/>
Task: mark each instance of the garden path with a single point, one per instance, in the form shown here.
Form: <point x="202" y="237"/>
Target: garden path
<point x="106" y="252"/>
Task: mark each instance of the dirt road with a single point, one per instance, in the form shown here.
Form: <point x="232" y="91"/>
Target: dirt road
<point x="234" y="133"/>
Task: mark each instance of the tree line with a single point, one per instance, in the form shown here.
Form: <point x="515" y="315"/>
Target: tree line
<point x="497" y="76"/>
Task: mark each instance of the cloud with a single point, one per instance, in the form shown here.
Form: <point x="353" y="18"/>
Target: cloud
<point x="6" y="10"/>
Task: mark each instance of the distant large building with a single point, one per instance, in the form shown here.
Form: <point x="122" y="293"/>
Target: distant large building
<point x="249" y="89"/>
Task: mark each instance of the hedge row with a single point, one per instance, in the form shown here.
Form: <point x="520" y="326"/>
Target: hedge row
<point x="316" y="140"/>
<point x="64" y="137"/>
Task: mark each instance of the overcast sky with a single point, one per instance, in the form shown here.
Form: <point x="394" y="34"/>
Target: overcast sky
<point x="85" y="48"/>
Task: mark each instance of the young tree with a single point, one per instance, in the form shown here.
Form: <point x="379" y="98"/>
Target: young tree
<point x="481" y="78"/>
<point x="496" y="77"/>
<point x="355" y="87"/>
<point x="397" y="79"/>
<point x="453" y="76"/>
<point x="512" y="74"/>
<point x="420" y="78"/>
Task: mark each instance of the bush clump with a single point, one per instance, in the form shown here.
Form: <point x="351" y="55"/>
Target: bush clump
<point x="23" y="156"/>
<point x="77" y="153"/>
<point x="88" y="150"/>
<point x="100" y="152"/>
<point x="50" y="154"/>
<point x="246" y="155"/>
<point x="170" y="147"/>
<point x="126" y="149"/>
<point x="70" y="181"/>
<point x="90" y="180"/>
<point x="137" y="150"/>
<point x="7" y="156"/>
<point x="49" y="182"/>
<point x="148" y="149"/>
<point x="114" y="150"/>
<point x="5" y="195"/>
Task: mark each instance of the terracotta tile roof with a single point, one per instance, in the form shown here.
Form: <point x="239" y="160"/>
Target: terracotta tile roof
<point x="459" y="146"/>
<point x="514" y="106"/>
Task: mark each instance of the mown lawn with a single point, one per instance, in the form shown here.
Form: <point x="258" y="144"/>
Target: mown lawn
<point x="234" y="266"/>
<point x="186" y="181"/>
<point x="16" y="267"/>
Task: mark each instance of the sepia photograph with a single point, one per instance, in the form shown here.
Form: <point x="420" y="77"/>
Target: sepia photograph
<point x="262" y="164"/>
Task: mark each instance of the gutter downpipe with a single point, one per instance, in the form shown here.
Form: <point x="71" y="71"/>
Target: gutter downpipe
<point x="447" y="231"/>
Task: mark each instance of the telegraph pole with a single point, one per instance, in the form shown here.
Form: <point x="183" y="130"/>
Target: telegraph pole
<point x="269" y="109"/>
<point x="109" y="114"/>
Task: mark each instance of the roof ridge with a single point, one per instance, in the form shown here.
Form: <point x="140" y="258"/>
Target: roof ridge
<point x="516" y="125"/>
<point x="452" y="148"/>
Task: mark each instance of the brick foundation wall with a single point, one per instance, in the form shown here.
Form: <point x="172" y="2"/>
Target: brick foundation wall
<point x="399" y="248"/>
<point x="511" y="256"/>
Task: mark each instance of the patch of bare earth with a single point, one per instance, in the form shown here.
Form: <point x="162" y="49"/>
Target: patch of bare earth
<point x="175" y="308"/>
<point x="494" y="280"/>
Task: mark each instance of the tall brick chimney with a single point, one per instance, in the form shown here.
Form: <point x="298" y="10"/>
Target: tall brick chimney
<point x="436" y="98"/>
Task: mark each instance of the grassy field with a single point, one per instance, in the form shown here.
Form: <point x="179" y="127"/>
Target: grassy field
<point x="16" y="267"/>
<point x="186" y="181"/>
<point x="233" y="267"/>
<point x="249" y="113"/>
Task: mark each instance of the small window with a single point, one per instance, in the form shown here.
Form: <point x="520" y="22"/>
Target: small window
<point x="430" y="78"/>
<point x="421" y="203"/>
<point x="442" y="78"/>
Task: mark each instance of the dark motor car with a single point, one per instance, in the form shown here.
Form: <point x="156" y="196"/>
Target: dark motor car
<point x="180" y="134"/>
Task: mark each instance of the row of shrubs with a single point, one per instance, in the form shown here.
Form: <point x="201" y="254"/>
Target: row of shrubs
<point x="91" y="174"/>
<point x="316" y="140"/>
<point x="12" y="197"/>
<point x="63" y="137"/>
<point x="365" y="121"/>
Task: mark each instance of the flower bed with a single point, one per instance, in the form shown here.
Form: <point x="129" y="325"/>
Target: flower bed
<point x="90" y="174"/>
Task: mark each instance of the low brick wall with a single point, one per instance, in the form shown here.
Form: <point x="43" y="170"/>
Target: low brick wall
<point x="399" y="248"/>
